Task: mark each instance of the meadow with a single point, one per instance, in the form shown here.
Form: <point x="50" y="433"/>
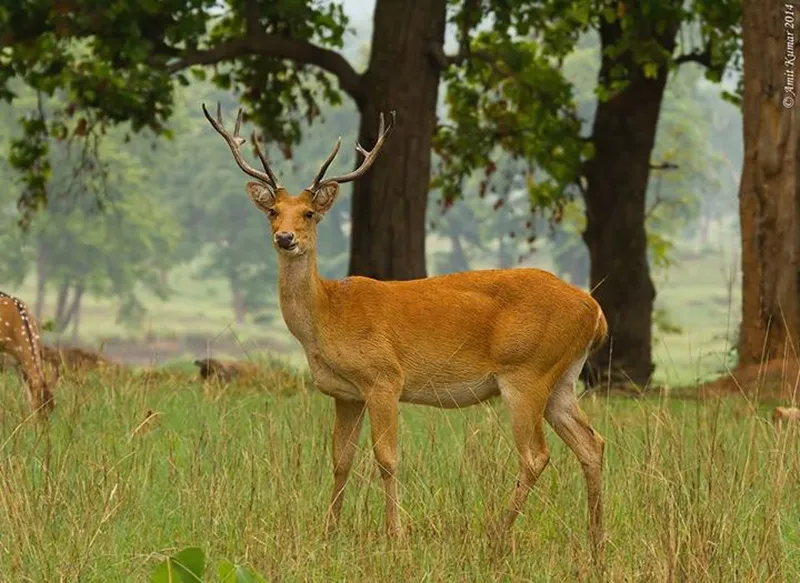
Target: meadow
<point x="694" y="491"/>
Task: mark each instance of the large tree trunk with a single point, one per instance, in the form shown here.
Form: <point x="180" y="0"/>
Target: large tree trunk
<point x="769" y="191"/>
<point x="389" y="202"/>
<point x="623" y="135"/>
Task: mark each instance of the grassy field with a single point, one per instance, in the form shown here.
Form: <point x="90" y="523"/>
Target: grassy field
<point x="694" y="491"/>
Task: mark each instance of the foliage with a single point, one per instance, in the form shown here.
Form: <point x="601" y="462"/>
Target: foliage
<point x="514" y="95"/>
<point x="699" y="179"/>
<point x="515" y="74"/>
<point x="189" y="566"/>
<point x="109" y="253"/>
<point x="186" y="566"/>
<point x="119" y="62"/>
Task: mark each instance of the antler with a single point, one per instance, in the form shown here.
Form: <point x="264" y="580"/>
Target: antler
<point x="369" y="158"/>
<point x="235" y="142"/>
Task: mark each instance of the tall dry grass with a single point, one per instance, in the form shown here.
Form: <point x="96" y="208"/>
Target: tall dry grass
<point x="135" y="466"/>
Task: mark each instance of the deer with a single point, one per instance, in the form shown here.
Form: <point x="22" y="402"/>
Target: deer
<point x="447" y="341"/>
<point x="20" y="338"/>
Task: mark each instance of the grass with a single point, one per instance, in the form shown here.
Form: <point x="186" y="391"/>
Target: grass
<point x="694" y="491"/>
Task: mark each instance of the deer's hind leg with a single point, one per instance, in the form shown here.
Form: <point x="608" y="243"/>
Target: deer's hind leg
<point x="31" y="381"/>
<point x="568" y="420"/>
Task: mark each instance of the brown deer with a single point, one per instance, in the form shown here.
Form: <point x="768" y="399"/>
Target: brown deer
<point x="19" y="337"/>
<point x="448" y="341"/>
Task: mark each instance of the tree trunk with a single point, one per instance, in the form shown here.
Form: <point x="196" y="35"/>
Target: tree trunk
<point x="623" y="135"/>
<point x="76" y="314"/>
<point x="769" y="190"/>
<point x="390" y="201"/>
<point x="66" y="314"/>
<point x="41" y="280"/>
<point x="458" y="256"/>
<point x="61" y="305"/>
<point x="237" y="300"/>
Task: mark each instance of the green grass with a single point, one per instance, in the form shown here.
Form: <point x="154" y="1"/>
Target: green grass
<point x="693" y="491"/>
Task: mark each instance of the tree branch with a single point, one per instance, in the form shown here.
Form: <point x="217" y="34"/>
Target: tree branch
<point x="279" y="47"/>
<point x="664" y="166"/>
<point x="470" y="9"/>
<point x="700" y="57"/>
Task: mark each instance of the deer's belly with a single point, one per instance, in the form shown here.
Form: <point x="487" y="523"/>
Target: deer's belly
<point x="451" y="395"/>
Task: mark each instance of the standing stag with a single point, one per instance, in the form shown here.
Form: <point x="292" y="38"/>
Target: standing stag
<point x="447" y="341"/>
<point x="19" y="337"/>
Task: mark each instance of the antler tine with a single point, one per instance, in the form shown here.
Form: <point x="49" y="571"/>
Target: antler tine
<point x="264" y="162"/>
<point x="238" y="126"/>
<point x="369" y="156"/>
<point x="324" y="168"/>
<point x="235" y="142"/>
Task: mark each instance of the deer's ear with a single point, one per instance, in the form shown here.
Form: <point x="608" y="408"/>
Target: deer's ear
<point x="261" y="195"/>
<point x="325" y="197"/>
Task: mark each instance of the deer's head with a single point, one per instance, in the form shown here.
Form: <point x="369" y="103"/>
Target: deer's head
<point x="294" y="218"/>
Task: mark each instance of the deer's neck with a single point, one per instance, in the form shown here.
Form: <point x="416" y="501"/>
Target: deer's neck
<point x="302" y="296"/>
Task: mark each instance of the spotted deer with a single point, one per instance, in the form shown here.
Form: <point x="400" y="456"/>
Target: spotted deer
<point x="448" y="341"/>
<point x="19" y="337"/>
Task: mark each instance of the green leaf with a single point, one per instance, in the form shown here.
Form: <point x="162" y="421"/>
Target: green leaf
<point x="650" y="70"/>
<point x="228" y="572"/>
<point x="186" y="566"/>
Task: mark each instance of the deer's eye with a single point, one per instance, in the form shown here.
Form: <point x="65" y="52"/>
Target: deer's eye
<point x="272" y="213"/>
<point x="309" y="215"/>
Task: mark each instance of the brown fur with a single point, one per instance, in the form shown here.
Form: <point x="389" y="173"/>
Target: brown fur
<point x="785" y="414"/>
<point x="20" y="338"/>
<point x="449" y="341"/>
<point x="76" y="359"/>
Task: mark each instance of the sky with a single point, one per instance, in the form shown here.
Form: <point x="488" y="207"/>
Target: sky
<point x="359" y="11"/>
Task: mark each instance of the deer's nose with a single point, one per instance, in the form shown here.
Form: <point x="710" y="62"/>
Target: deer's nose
<point x="284" y="239"/>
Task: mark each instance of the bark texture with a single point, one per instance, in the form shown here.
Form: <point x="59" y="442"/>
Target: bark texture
<point x="389" y="202"/>
<point x="770" y="184"/>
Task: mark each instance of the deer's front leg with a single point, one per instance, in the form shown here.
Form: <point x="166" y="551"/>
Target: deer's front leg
<point x="383" y="411"/>
<point x="346" y="431"/>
